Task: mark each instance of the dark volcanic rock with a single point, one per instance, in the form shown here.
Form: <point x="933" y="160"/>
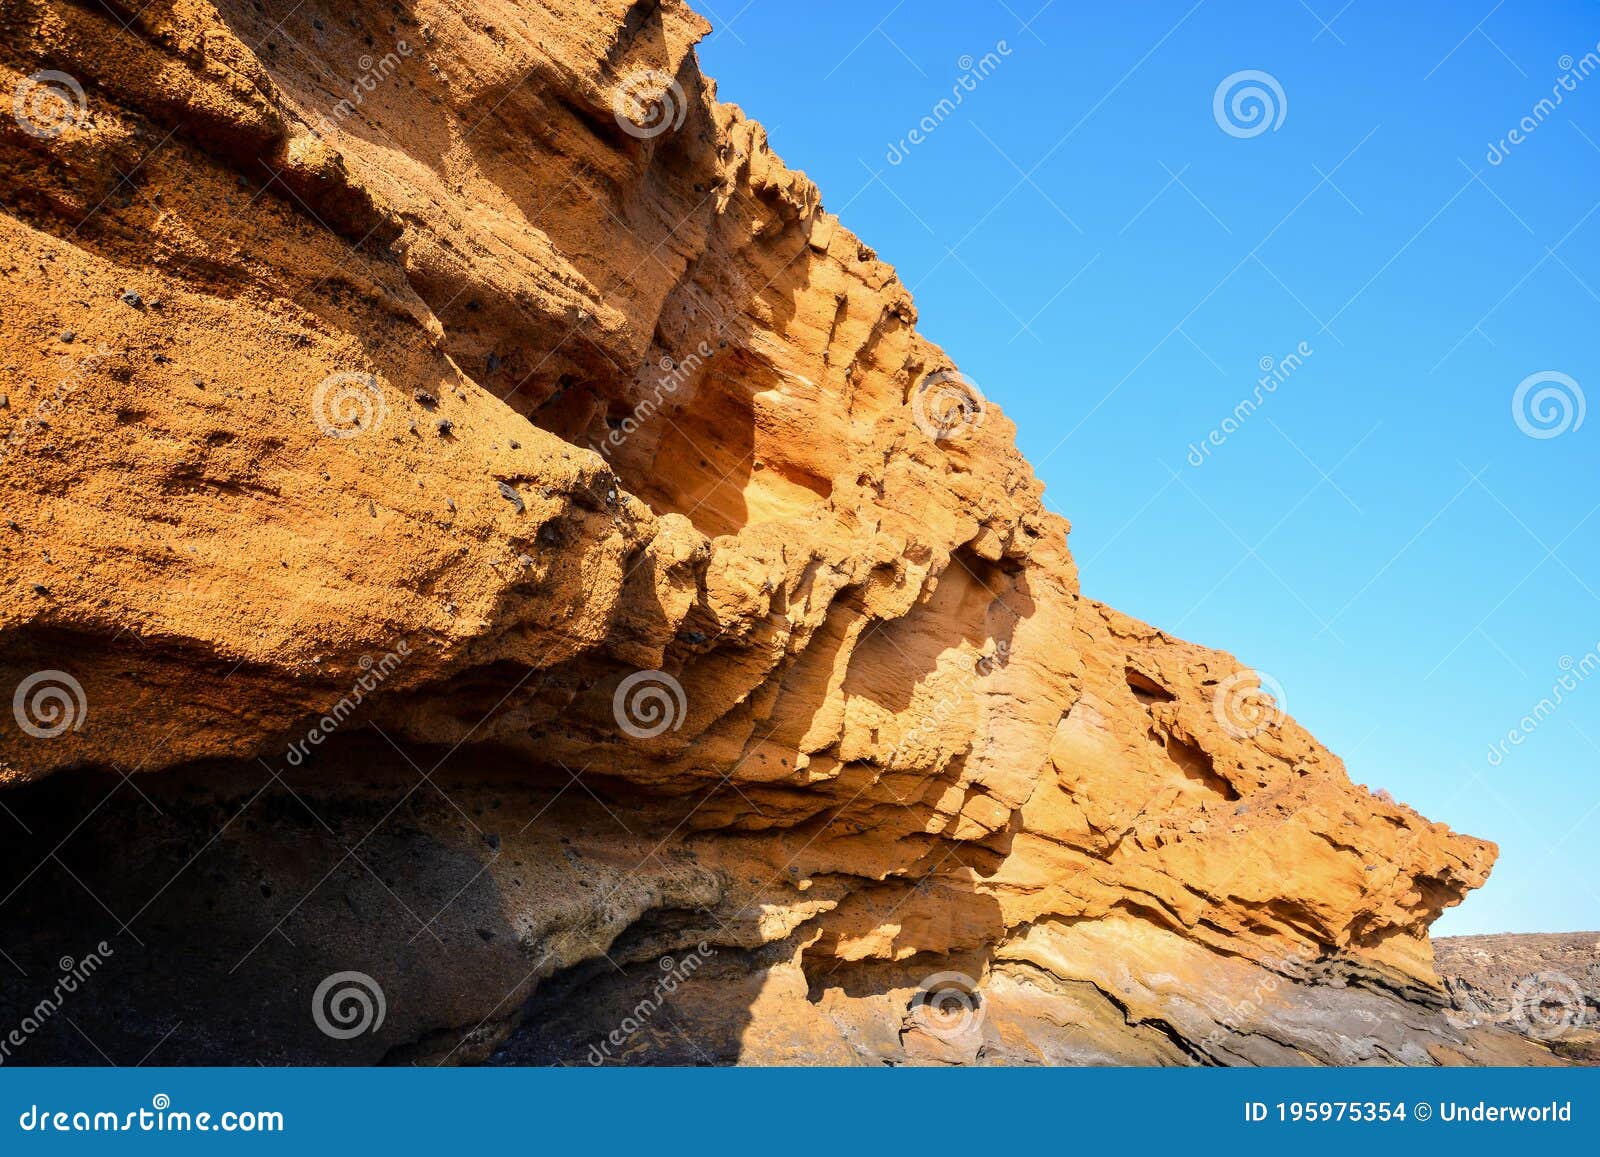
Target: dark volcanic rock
<point x="1544" y="985"/>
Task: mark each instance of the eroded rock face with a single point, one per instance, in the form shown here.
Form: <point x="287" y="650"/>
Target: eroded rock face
<point x="474" y="519"/>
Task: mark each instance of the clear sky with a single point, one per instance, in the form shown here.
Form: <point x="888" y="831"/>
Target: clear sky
<point x="1111" y="257"/>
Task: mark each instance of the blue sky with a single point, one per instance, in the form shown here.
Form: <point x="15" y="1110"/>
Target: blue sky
<point x="1112" y="265"/>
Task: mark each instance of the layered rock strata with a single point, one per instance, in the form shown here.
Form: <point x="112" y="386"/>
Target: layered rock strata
<point x="474" y="520"/>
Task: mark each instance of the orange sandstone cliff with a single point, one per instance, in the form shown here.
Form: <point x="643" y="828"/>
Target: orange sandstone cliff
<point x="475" y="520"/>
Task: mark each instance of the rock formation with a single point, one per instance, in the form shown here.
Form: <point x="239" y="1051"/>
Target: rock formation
<point x="473" y="519"/>
<point x="1545" y="986"/>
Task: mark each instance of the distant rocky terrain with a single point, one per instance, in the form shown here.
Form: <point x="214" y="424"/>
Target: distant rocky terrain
<point x="1543" y="985"/>
<point x="491" y="571"/>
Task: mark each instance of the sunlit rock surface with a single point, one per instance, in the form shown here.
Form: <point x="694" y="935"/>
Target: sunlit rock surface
<point x="474" y="519"/>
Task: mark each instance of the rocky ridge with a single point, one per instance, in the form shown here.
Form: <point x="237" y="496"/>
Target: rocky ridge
<point x="475" y="520"/>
